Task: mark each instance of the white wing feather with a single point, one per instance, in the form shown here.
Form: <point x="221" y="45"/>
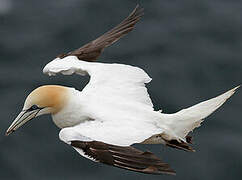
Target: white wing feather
<point x="126" y="134"/>
<point x="116" y="96"/>
<point x="117" y="80"/>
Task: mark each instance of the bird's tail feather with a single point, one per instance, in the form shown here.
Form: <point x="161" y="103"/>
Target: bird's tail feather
<point x="177" y="126"/>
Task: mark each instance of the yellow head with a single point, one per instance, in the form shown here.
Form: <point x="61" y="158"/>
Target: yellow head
<point x="49" y="99"/>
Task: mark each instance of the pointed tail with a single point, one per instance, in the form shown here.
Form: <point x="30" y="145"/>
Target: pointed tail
<point x="185" y="120"/>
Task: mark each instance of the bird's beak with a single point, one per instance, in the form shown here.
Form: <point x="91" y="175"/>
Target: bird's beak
<point x="23" y="117"/>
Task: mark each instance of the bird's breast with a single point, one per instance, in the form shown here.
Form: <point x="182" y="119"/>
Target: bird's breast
<point x="68" y="120"/>
<point x="72" y="114"/>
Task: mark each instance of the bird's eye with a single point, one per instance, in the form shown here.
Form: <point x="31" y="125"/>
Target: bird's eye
<point x="34" y="107"/>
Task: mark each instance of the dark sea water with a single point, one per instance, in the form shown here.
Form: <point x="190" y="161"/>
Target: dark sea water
<point x="191" y="49"/>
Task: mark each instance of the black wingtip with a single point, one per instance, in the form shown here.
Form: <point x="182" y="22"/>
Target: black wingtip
<point x="138" y="11"/>
<point x="180" y="145"/>
<point x="91" y="51"/>
<point x="125" y="157"/>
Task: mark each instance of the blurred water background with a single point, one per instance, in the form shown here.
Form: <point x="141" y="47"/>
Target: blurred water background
<point x="191" y="49"/>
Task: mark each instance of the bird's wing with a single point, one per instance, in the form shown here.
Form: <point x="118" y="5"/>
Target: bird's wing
<point x="92" y="50"/>
<point x="109" y="127"/>
<point x="125" y="157"/>
<point x="110" y="81"/>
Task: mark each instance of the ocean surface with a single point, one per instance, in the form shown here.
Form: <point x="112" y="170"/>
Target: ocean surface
<point x="191" y="49"/>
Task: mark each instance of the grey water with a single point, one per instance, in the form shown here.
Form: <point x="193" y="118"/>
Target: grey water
<point x="191" y="49"/>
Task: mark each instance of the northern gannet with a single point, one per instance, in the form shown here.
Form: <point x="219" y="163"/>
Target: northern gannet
<point x="114" y="110"/>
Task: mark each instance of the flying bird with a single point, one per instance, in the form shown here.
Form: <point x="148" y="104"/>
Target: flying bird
<point x="114" y="110"/>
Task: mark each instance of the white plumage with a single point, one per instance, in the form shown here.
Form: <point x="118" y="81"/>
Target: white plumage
<point x="115" y="102"/>
<point x="118" y="109"/>
<point x="114" y="110"/>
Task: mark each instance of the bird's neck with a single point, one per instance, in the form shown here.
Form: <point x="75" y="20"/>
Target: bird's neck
<point x="71" y="114"/>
